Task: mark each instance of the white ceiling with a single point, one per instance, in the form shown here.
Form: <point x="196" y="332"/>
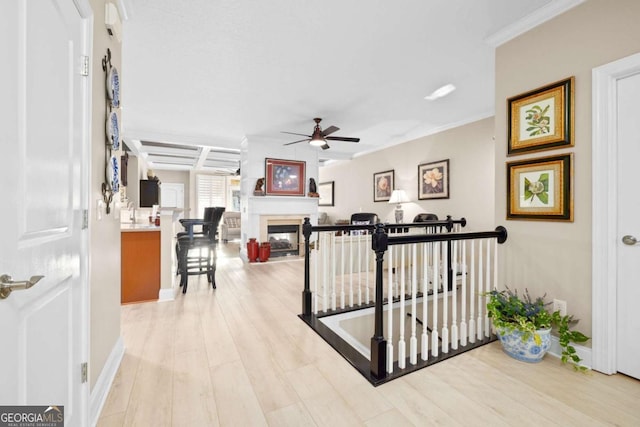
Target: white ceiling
<point x="209" y="73"/>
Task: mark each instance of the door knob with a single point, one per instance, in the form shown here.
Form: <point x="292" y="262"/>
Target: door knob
<point x="629" y="240"/>
<point x="7" y="285"/>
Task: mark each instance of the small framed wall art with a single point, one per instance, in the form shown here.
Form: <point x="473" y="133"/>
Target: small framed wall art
<point x="383" y="183"/>
<point x="326" y="192"/>
<point x="541" y="189"/>
<point x="433" y="180"/>
<point x="284" y="177"/>
<point x="541" y="119"/>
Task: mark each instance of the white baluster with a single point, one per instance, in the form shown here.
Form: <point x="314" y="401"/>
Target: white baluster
<point x="367" y="253"/>
<point x="445" y="297"/>
<point x="325" y="276"/>
<point x="335" y="251"/>
<point x="472" y="299"/>
<point x="316" y="267"/>
<point x="413" y="342"/>
<point x="424" y="339"/>
<point x="359" y="267"/>
<point x="454" y="297"/>
<point x="332" y="261"/>
<point x="487" y="327"/>
<point x="465" y="279"/>
<point x="350" y="269"/>
<point x="401" y="343"/>
<point x="436" y="280"/>
<point x="480" y="289"/>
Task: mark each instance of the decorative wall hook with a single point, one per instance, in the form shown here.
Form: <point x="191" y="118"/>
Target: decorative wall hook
<point x="106" y="60"/>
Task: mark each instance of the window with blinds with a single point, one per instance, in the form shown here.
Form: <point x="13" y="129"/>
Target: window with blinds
<point x="210" y="191"/>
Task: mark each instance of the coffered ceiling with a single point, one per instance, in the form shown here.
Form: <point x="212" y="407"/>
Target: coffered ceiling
<point x="200" y="76"/>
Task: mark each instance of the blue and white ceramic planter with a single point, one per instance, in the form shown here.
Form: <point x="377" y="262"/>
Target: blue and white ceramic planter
<point x="527" y="350"/>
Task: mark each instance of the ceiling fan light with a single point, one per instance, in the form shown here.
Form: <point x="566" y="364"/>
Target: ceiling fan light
<point x="317" y="141"/>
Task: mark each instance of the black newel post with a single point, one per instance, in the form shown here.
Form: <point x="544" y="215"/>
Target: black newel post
<point x="306" y="293"/>
<point x="378" y="343"/>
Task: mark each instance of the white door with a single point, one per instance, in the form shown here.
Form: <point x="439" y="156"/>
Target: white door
<point x="172" y="195"/>
<point x="628" y="286"/>
<point x="43" y="143"/>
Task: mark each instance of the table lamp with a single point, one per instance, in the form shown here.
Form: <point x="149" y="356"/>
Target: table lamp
<point x="399" y="197"/>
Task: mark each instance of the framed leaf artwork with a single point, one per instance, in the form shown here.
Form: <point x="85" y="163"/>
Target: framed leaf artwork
<point x="541" y="189"/>
<point x="541" y="119"/>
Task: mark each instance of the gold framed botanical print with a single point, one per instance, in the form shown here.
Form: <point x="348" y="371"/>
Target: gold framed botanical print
<point x="541" y="119"/>
<point x="541" y="189"/>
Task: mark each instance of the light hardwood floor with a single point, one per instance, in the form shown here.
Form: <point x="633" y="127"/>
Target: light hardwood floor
<point x="240" y="356"/>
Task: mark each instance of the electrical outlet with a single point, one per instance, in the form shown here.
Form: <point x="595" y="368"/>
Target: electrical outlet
<point x="560" y="305"/>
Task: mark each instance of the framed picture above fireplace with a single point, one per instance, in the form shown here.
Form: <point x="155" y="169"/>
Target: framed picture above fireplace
<point x="284" y="177"/>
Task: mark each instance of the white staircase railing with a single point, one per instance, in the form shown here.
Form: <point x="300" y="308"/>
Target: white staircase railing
<point x="423" y="286"/>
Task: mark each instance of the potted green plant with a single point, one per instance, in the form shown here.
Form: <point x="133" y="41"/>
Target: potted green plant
<point x="524" y="325"/>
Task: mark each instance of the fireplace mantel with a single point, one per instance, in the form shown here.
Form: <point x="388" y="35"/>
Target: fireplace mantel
<point x="274" y="210"/>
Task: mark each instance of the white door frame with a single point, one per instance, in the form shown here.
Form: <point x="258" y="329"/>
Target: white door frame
<point x="86" y="12"/>
<point x="604" y="256"/>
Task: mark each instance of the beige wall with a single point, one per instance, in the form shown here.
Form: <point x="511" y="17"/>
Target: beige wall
<point x="555" y="257"/>
<point x="469" y="149"/>
<point x="104" y="235"/>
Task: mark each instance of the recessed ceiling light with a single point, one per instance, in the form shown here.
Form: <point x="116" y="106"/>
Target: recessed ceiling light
<point x="441" y="92"/>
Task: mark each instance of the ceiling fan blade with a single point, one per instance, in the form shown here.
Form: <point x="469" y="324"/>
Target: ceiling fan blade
<point x="325" y="146"/>
<point x="330" y="130"/>
<point x="295" y="142"/>
<point x="342" y="138"/>
<point x="293" y="133"/>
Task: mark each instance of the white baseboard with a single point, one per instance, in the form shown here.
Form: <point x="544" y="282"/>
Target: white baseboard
<point x="167" y="294"/>
<point x="583" y="352"/>
<point x="101" y="389"/>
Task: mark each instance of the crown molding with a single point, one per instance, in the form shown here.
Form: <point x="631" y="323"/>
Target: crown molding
<point x="544" y="14"/>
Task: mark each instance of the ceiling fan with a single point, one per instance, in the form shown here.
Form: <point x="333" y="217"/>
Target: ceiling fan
<point x="320" y="137"/>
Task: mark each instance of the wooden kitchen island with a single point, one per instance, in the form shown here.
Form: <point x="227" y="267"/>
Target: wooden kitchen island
<point x="140" y="273"/>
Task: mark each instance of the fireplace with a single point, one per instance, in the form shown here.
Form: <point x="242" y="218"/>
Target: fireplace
<point x="284" y="239"/>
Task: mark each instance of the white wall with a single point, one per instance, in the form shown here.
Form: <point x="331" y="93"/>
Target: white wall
<point x="469" y="149"/>
<point x="104" y="234"/>
<point x="253" y="154"/>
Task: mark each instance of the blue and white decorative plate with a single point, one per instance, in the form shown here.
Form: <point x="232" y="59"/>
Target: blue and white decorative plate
<point x="113" y="87"/>
<point x="114" y="172"/>
<point x="113" y="130"/>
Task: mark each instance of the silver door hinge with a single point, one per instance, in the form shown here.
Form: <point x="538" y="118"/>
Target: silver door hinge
<point x="84" y="68"/>
<point x="85" y="219"/>
<point x="85" y="368"/>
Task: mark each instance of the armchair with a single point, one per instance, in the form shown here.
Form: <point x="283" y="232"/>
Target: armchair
<point x="423" y="217"/>
<point x="363" y="218"/>
<point x="230" y="227"/>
